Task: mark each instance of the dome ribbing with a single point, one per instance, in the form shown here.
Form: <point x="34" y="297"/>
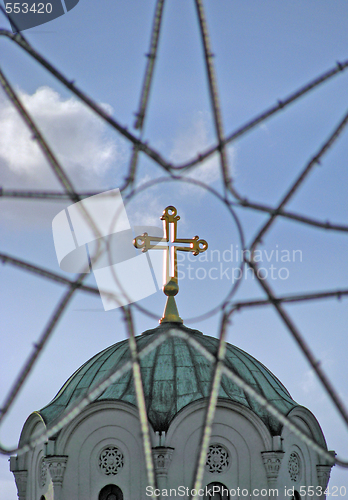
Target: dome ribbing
<point x="174" y="374"/>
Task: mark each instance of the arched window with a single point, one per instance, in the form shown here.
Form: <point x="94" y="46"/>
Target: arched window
<point x="296" y="496"/>
<point x="110" y="492"/>
<point x="218" y="492"/>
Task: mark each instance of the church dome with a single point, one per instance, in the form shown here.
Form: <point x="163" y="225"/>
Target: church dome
<point x="174" y="374"/>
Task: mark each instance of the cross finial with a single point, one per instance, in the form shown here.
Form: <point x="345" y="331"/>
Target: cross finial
<point x="172" y="245"/>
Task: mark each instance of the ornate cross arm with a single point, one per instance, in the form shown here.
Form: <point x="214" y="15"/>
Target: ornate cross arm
<point x="172" y="243"/>
<point x="197" y="246"/>
<point x="144" y="242"/>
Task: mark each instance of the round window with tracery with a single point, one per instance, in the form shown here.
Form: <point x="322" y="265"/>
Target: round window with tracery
<point x="111" y="460"/>
<point x="294" y="466"/>
<point x="218" y="459"/>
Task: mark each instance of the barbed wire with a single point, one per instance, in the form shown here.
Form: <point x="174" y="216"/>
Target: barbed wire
<point x="230" y="305"/>
<point x="259" y="207"/>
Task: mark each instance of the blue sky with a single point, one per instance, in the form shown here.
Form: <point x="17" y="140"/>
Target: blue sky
<point x="263" y="52"/>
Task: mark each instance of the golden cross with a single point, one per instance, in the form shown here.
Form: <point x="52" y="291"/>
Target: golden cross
<point x="146" y="242"/>
<point x="172" y="246"/>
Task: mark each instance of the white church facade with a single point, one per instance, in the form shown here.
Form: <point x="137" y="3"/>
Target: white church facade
<point x="99" y="454"/>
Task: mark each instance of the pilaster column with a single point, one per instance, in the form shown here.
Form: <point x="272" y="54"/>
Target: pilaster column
<point x="21" y="478"/>
<point x="56" y="466"/>
<point x="272" y="461"/>
<point x="162" y="458"/>
<point x="323" y="474"/>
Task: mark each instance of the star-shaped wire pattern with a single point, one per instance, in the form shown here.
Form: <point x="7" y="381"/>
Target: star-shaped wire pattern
<point x="231" y="197"/>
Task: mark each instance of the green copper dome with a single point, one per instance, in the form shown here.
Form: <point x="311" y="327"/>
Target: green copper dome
<point x="174" y="374"/>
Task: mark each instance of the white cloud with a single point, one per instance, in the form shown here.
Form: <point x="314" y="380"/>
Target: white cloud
<point x="309" y="382"/>
<point x="190" y="140"/>
<point x="77" y="137"/>
<point x="145" y="209"/>
<point x="195" y="139"/>
<point x="75" y="134"/>
<point x="264" y="128"/>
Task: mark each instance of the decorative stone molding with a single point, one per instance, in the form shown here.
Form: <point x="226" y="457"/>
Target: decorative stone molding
<point x="218" y="459"/>
<point x="42" y="472"/>
<point x="111" y="460"/>
<point x="162" y="458"/>
<point x="56" y="465"/>
<point x="323" y="474"/>
<point x="272" y="461"/>
<point x="294" y="466"/>
<point x="21" y="478"/>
